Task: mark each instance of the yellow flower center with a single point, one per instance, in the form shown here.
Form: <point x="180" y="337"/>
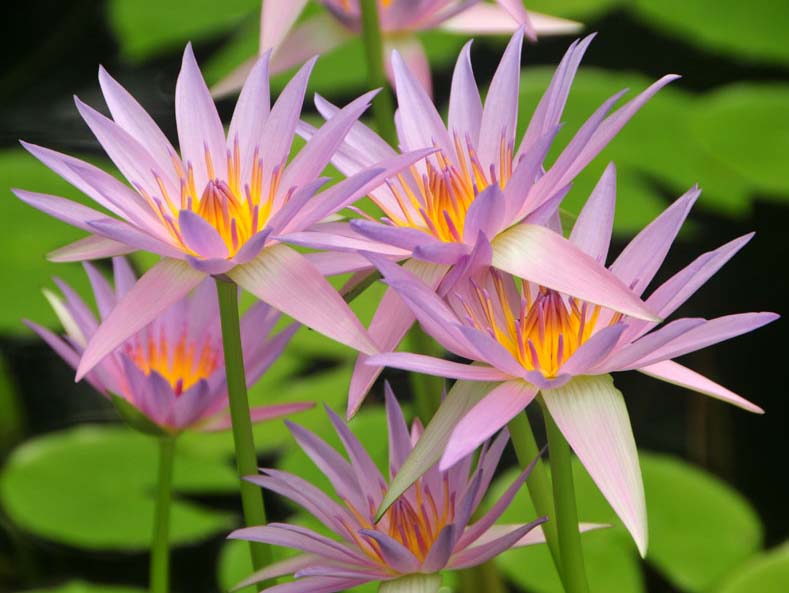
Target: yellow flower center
<point x="541" y="328"/>
<point x="436" y="201"/>
<point x="182" y="363"/>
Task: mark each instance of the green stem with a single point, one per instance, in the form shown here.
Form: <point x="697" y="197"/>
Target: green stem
<point x="243" y="439"/>
<point x="538" y="483"/>
<point x="383" y="105"/>
<point x="427" y="389"/>
<point x="160" y="547"/>
<point x="566" y="512"/>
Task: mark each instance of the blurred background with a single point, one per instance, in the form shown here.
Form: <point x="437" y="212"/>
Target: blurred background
<point x="76" y="487"/>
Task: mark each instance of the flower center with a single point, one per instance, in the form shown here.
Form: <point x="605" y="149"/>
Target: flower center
<point x="436" y="200"/>
<point x="541" y="328"/>
<point x="182" y="363"/>
<point x="237" y="208"/>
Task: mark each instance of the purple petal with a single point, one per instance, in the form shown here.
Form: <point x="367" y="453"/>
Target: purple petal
<point x="486" y="418"/>
<point x="250" y="114"/>
<point x="151" y="394"/>
<point x="439" y="553"/>
<point x="465" y="106"/>
<point x="285" y="280"/>
<point x="102" y="291"/>
<point x="486" y="215"/>
<point x="278" y="569"/>
<point x="420" y="363"/>
<point x="674" y="373"/>
<point x="395" y="555"/>
<point x="594" y="350"/>
<point x="164" y="284"/>
<point x="121" y="232"/>
<point x="592" y="416"/>
<point x="475" y="555"/>
<point x="592" y="230"/>
<point x="69" y="212"/>
<point x="200" y="236"/>
<point x="399" y="439"/>
<point x="92" y="247"/>
<point x="300" y="538"/>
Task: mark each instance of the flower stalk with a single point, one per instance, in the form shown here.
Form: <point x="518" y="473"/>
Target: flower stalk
<point x="566" y="517"/>
<point x="243" y="439"/>
<point x="383" y="106"/>
<point x="160" y="546"/>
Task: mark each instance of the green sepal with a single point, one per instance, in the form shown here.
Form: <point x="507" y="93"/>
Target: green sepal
<point x="136" y="419"/>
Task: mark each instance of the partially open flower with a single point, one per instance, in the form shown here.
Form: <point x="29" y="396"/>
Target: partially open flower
<point x="173" y="370"/>
<point x="528" y="340"/>
<point x="428" y="529"/>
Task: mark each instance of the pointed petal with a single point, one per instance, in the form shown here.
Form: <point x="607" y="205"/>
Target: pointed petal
<point x="465" y="105"/>
<point x="278" y="569"/>
<point x="594" y="350"/>
<point x="461" y="398"/>
<point x="482" y="19"/>
<point x="500" y="114"/>
<point x="249" y="116"/>
<point x="394" y="554"/>
<point x="486" y="418"/>
<point x="676" y="374"/>
<point x="317" y="35"/>
<point x="260" y="414"/>
<point x="592" y="230"/>
<point x="102" y="291"/>
<point x="92" y="247"/>
<point x="592" y="416"/>
<point x="285" y="280"/>
<point x="300" y="538"/>
<point x="411" y="50"/>
<point x="420" y="363"/>
<point x="399" y="439"/>
<point x="276" y="20"/>
<point x="72" y="213"/>
<point x="164" y="284"/>
<point x="640" y="260"/>
<point x="200" y="236"/>
<point x="200" y="130"/>
<point x="389" y="325"/>
<point x="541" y="256"/>
<point x="441" y="550"/>
<point x="122" y="232"/>
<point x="475" y="555"/>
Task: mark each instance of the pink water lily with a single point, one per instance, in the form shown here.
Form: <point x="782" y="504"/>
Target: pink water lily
<point x="529" y="340"/>
<point x="172" y="371"/>
<point x="478" y="194"/>
<point x="214" y="208"/>
<point x="400" y="20"/>
<point x="427" y="530"/>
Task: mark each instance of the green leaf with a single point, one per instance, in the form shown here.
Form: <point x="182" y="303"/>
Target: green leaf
<point x="94" y="487"/>
<point x="695" y="537"/>
<point x="26" y="236"/>
<point x="746" y="127"/>
<point x="83" y="587"/>
<point x="584" y="10"/>
<point x="146" y="28"/>
<point x="699" y="527"/>
<point x="768" y="573"/>
<point x="752" y="30"/>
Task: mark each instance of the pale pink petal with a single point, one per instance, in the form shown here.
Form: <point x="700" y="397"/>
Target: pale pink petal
<point x="119" y="231"/>
<point x="278" y="569"/>
<point x="249" y="116"/>
<point x="500" y="114"/>
<point x="285" y="280"/>
<point x="475" y="555"/>
<point x="164" y="284"/>
<point x="200" y="131"/>
<point x="535" y="536"/>
<point x="200" y="236"/>
<point x="260" y="414"/>
<point x="545" y="24"/>
<point x="70" y="212"/>
<point x="389" y="325"/>
<point x="327" y="584"/>
<point x="518" y="13"/>
<point x="123" y="275"/>
<point x="394" y="554"/>
<point x="102" y="291"/>
<point x="675" y="373"/>
<point x="420" y="363"/>
<point x="317" y="35"/>
<point x="413" y="54"/>
<point x="300" y="538"/>
<point x="592" y="230"/>
<point x="481" y="19"/>
<point x="465" y="105"/>
<point x="594" y="350"/>
<point x="92" y="247"/>
<point x="130" y="115"/>
<point x="486" y="418"/>
<point x="276" y="19"/>
<point x="546" y="258"/>
<point x="592" y="416"/>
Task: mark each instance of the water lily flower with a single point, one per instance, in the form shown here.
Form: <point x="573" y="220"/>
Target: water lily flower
<point x="530" y="340"/>
<point x="215" y="208"/>
<point x="400" y="22"/>
<point x="479" y="193"/>
<point x="172" y="371"/>
<point x="427" y="530"/>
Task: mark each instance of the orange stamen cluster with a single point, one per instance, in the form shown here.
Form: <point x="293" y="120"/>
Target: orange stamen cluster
<point x="437" y="200"/>
<point x="182" y="363"/>
<point x="236" y="208"/>
<point x="542" y="331"/>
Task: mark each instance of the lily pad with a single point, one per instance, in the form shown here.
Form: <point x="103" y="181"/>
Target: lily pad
<point x="94" y="487"/>
<point x="768" y="573"/>
<point x="752" y="31"/>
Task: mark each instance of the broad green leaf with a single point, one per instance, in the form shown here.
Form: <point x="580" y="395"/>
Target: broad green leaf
<point x="26" y="236"/>
<point x="583" y="10"/>
<point x="94" y="487"/>
<point x="768" y="573"/>
<point x="145" y="28"/>
<point x="699" y="527"/>
<point x="746" y="127"/>
<point x="83" y="587"/>
<point x="754" y="30"/>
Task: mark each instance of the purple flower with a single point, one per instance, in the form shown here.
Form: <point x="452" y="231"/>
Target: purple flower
<point x="428" y="529"/>
<point x="173" y="370"/>
<point x="530" y="340"/>
<point x="214" y="208"/>
<point x="400" y="21"/>
<point x="465" y="203"/>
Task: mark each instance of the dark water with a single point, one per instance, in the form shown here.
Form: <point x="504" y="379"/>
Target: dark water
<point x="51" y="49"/>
